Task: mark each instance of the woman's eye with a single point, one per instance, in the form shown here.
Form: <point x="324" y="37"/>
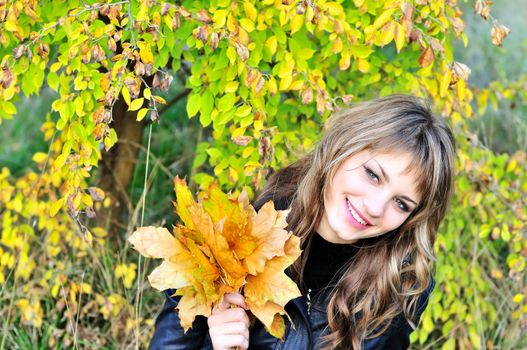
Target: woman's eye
<point x="372" y="175"/>
<point x="402" y="205"/>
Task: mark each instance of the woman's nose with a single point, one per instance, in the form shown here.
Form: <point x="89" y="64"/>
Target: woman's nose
<point x="375" y="205"/>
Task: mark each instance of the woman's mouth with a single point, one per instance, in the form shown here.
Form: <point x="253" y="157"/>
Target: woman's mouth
<point x="357" y="218"/>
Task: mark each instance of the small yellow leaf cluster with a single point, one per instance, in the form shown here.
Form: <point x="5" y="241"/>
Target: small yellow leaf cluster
<point x="224" y="246"/>
<point x="31" y="312"/>
<point x="127" y="272"/>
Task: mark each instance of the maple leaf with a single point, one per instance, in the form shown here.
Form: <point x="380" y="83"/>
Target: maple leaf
<point x="268" y="228"/>
<point x="268" y="292"/>
<point x="222" y="246"/>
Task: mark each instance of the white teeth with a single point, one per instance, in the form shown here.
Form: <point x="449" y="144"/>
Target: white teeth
<point x="355" y="214"/>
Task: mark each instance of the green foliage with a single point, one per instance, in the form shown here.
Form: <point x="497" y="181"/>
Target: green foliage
<point x="263" y="77"/>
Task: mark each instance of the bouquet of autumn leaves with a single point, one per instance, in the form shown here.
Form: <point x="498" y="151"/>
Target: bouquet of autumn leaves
<point x="223" y="246"/>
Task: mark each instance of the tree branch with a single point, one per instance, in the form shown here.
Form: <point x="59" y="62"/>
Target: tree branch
<point x="178" y="97"/>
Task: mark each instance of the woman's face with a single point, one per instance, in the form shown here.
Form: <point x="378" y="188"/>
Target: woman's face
<point x="370" y="194"/>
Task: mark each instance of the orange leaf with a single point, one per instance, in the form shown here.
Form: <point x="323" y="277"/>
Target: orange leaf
<point x="270" y="236"/>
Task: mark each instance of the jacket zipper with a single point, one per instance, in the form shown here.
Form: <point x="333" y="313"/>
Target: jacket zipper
<point x="308" y="301"/>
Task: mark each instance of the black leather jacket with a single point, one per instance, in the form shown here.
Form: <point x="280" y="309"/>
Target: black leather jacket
<point x="309" y="326"/>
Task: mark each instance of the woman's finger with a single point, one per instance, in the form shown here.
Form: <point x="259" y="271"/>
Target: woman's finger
<point x="235" y="299"/>
<point x="231" y="341"/>
<point x="230" y="315"/>
<point x="231" y="328"/>
<point x="230" y="299"/>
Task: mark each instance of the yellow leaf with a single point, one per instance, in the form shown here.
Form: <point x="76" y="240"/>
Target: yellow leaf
<point x="445" y="82"/>
<point x="285" y="82"/>
<point x="147" y="93"/>
<point x="136" y="104"/>
<point x="337" y="45"/>
<point x="11" y="26"/>
<point x="40" y="157"/>
<point x="387" y="33"/>
<point x="231" y="86"/>
<point x="232" y="55"/>
<point x="296" y="23"/>
<point x="219" y="18"/>
<point x="126" y="95"/>
<point x="272" y="86"/>
<point x="247" y="24"/>
<point x="145" y="52"/>
<point x="171" y="275"/>
<point x="250" y="10"/>
<point x="297" y="85"/>
<point x="56" y="206"/>
<point x="400" y="37"/>
<point x="345" y="60"/>
<point x="271" y="44"/>
<point x="513" y="164"/>
<point x="55" y="66"/>
<point x="190" y="306"/>
<point x="383" y="18"/>
<point x="155" y="242"/>
<point x="160" y="99"/>
<point x="141" y="114"/>
<point x="260" y="290"/>
<point x="363" y="65"/>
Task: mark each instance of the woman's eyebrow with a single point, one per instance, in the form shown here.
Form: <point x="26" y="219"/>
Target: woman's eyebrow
<point x="382" y="171"/>
<point x="409" y="199"/>
<point x="388" y="180"/>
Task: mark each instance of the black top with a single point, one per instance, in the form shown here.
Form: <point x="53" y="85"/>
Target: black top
<point x="326" y="262"/>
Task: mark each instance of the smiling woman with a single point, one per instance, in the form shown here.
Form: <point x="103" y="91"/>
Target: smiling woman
<point x="366" y="204"/>
<point x="361" y="201"/>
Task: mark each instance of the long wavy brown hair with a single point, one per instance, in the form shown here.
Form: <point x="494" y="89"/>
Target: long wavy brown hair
<point x="389" y="272"/>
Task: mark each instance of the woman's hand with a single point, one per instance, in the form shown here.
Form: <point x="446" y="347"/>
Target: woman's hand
<point x="229" y="327"/>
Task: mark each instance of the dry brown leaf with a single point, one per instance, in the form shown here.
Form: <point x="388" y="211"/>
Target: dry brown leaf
<point x="426" y="58"/>
<point x="498" y="33"/>
<point x="461" y="70"/>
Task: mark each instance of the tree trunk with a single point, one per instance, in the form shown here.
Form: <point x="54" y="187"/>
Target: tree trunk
<point x="117" y="168"/>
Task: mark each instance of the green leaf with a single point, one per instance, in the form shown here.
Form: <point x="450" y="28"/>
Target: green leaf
<point x="53" y="81"/>
<point x="450" y="344"/>
<point x="193" y="104"/>
<point x="227" y="101"/>
<point x="8" y="107"/>
<point x="207" y="103"/>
